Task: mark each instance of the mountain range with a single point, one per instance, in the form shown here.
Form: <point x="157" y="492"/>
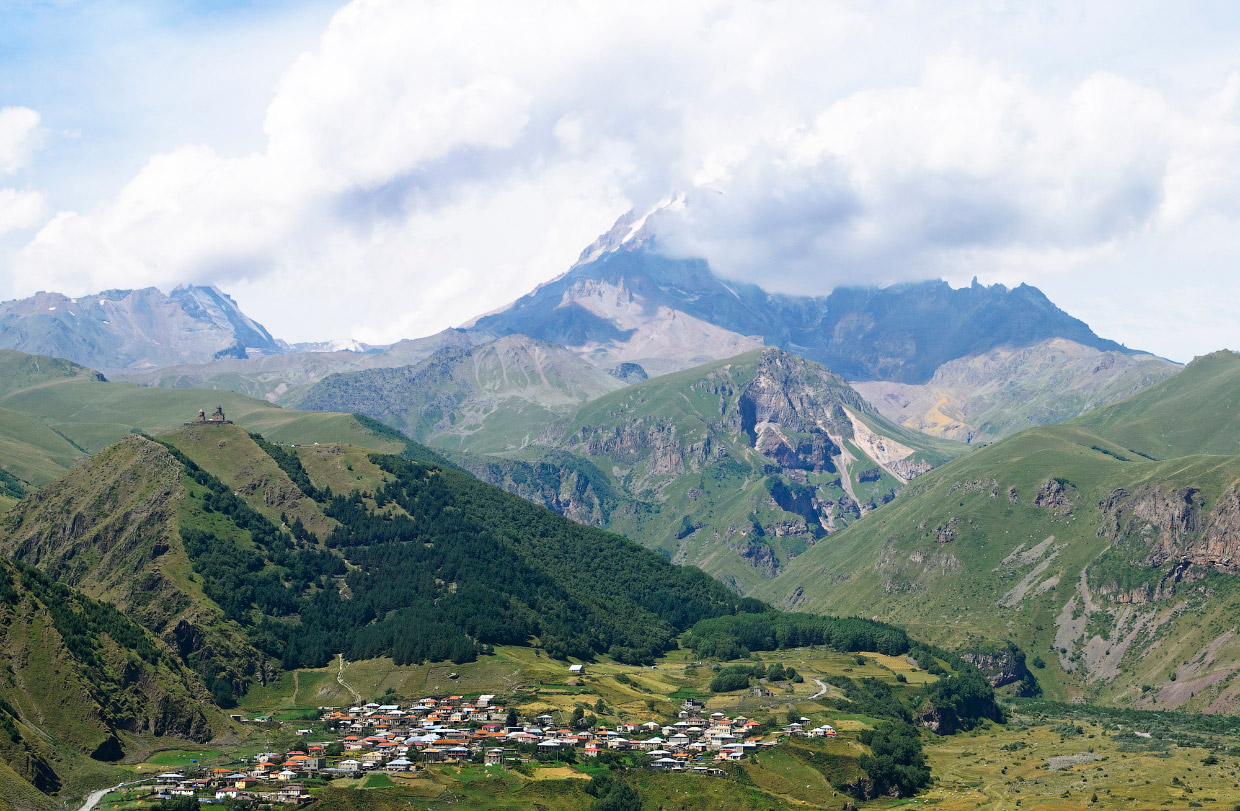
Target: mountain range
<point x="127" y="329"/>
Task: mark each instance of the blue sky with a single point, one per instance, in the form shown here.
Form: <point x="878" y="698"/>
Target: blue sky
<point x="410" y="163"/>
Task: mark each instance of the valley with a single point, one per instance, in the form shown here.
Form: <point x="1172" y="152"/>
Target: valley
<point x="1046" y="755"/>
<point x="1052" y="521"/>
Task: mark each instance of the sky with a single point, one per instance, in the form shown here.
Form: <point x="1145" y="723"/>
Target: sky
<point x="388" y="168"/>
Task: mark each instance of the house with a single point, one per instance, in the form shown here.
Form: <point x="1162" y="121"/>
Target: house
<point x="398" y="765"/>
<point x="493" y="757"/>
<point x="577" y="670"/>
<point x="351" y="765"/>
<point x="666" y="763"/>
<point x="246" y="783"/>
<point x="293" y="793"/>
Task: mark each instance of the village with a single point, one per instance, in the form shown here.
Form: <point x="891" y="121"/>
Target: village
<point x="394" y="738"/>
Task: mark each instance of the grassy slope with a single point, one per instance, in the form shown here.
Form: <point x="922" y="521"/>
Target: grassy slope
<point x="73" y="698"/>
<point x="893" y="566"/>
<point x="230" y="454"/>
<point x="110" y="528"/>
<point x="1199" y="414"/>
<point x="53" y="413"/>
<point x="32" y="451"/>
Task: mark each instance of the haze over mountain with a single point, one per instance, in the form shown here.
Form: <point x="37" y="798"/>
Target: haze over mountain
<point x="124" y="329"/>
<point x="1009" y="388"/>
<point x="480" y="398"/>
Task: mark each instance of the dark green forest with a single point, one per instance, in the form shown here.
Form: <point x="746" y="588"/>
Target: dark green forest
<point x="439" y="567"/>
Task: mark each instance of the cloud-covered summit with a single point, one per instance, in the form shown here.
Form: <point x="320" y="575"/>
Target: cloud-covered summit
<point x="426" y="161"/>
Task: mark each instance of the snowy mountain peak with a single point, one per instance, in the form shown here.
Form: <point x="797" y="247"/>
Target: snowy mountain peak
<point x="632" y="230"/>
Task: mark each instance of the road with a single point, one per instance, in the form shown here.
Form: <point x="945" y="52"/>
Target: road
<point x="340" y="678"/>
<point x="94" y="797"/>
<point x="822" y="692"/>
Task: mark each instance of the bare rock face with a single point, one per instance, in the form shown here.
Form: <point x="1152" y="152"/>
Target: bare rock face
<point x="1171" y="525"/>
<point x="1219" y="545"/>
<point x="1057" y="496"/>
<point x="1001" y="666"/>
<point x="947" y="532"/>
<point x="1151" y="520"/>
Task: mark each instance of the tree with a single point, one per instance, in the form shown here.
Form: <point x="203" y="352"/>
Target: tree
<point x="511" y="719"/>
<point x="896" y="760"/>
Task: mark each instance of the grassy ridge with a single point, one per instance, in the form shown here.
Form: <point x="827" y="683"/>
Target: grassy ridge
<point x="54" y="413"/>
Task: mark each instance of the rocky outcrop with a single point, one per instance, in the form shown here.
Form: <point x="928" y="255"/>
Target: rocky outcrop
<point x="1000" y="665"/>
<point x="628" y="372"/>
<point x="1155" y="526"/>
<point x="566" y="484"/>
<point x="1056" y="495"/>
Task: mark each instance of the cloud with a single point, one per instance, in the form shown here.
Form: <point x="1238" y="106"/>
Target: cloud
<point x="430" y="160"/>
<point x="967" y="165"/>
<point x="20" y="209"/>
<point x="19" y="137"/>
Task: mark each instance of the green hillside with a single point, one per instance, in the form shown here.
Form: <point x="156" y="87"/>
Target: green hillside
<point x="53" y="413"/>
<point x="736" y="466"/>
<point x="1198" y="411"/>
<point x="1115" y="570"/>
<point x="82" y="686"/>
<point x="246" y="559"/>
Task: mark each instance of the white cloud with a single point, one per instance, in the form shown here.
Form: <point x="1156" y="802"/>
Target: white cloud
<point x="430" y="160"/>
<point x="20" y="209"/>
<point x="19" y="137"/>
